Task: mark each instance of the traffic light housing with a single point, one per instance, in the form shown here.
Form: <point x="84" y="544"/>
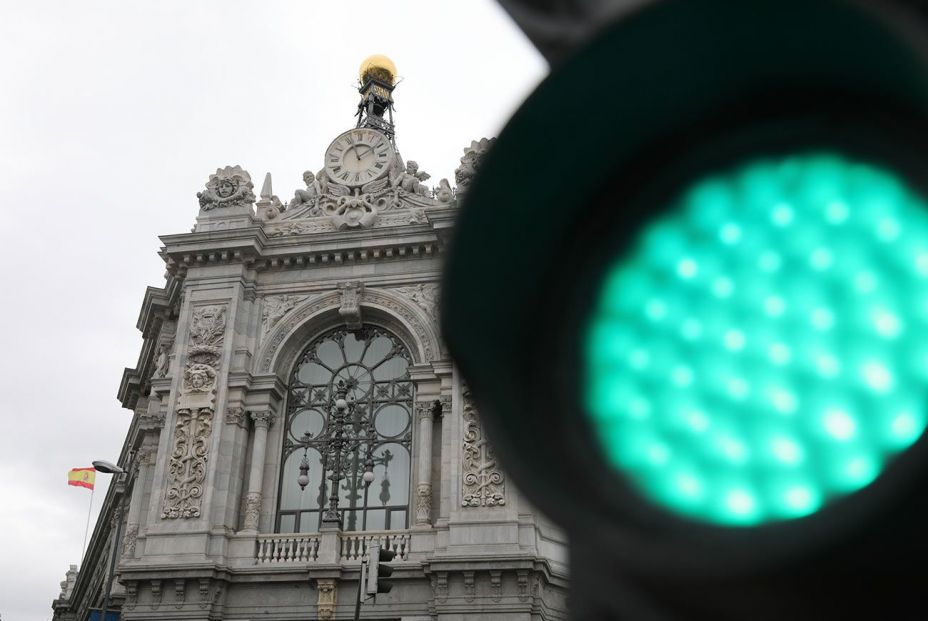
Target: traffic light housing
<point x="778" y="127"/>
<point x="378" y="570"/>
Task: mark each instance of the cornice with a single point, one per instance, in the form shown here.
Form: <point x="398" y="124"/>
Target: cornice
<point x="252" y="247"/>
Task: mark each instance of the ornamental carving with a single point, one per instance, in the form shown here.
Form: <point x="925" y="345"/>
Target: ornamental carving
<point x="325" y="602"/>
<point x="275" y="307"/>
<point x="425" y="295"/>
<point x="235" y="415"/>
<point x="129" y="540"/>
<point x="199" y="378"/>
<point x="470" y="163"/>
<point x="163" y="361"/>
<point x="187" y="467"/>
<point x="204" y="356"/>
<point x="424" y="503"/>
<point x="350" y="307"/>
<point x="228" y="187"/>
<point x="483" y="482"/>
<point x="395" y="199"/>
<point x="252" y="510"/>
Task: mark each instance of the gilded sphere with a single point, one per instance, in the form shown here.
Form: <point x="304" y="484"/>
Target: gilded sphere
<point x="377" y="66"/>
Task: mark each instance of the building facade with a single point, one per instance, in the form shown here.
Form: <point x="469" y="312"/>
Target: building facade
<point x="293" y="404"/>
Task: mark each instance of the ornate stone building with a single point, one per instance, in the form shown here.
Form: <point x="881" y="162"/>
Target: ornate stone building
<point x="292" y="362"/>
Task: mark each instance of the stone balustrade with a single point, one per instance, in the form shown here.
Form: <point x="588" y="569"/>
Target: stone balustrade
<point x="354" y="544"/>
<point x="304" y="547"/>
<point x="287" y="548"/>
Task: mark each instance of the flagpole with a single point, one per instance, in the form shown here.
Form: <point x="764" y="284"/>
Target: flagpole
<point x="87" y="528"/>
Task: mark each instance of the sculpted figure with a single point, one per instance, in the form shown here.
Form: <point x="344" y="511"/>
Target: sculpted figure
<point x="444" y="193"/>
<point x="410" y="179"/>
<point x="312" y="192"/>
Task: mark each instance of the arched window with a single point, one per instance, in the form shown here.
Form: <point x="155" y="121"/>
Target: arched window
<point x="372" y="367"/>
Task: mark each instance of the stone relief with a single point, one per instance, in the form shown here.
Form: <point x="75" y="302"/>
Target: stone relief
<point x="350" y="307"/>
<point x="199" y="378"/>
<point x="228" y="187"/>
<point x="252" y="510"/>
<point x="470" y="163"/>
<point x="325" y="601"/>
<point x="483" y="481"/>
<point x="235" y="415"/>
<point x="204" y="355"/>
<point x="423" y="332"/>
<point x="275" y="307"/>
<point x="155" y="594"/>
<point x="180" y="592"/>
<point x="424" y="503"/>
<point x="129" y="541"/>
<point x="326" y="205"/>
<point x="187" y="467"/>
<point x="425" y="295"/>
<point x="163" y="361"/>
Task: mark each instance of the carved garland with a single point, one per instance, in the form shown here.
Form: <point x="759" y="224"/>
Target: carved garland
<point x="187" y="469"/>
<point x="483" y="482"/>
<point x="194" y="423"/>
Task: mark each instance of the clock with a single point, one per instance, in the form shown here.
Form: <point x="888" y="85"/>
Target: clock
<point x="358" y="156"/>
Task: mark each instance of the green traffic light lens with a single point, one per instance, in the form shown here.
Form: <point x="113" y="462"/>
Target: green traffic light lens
<point x="762" y="349"/>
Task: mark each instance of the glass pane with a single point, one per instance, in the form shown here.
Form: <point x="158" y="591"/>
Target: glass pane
<point x="357" y="379"/>
<point x="351" y="487"/>
<point x="351" y="520"/>
<point x="309" y="522"/>
<point x="376" y="519"/>
<point x="306" y="420"/>
<point x="398" y="520"/>
<point x="377" y="350"/>
<point x="394" y="368"/>
<point x="391" y="476"/>
<point x="353" y="348"/>
<point x="330" y="354"/>
<point x="391" y="420"/>
<point x="313" y="374"/>
<point x="286" y="523"/>
<point x="291" y="497"/>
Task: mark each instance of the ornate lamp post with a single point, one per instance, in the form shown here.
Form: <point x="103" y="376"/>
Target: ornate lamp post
<point x="341" y="436"/>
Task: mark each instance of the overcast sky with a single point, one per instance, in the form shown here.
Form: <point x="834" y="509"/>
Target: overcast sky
<point x="112" y="116"/>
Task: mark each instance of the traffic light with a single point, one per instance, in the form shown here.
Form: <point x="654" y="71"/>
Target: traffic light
<point x="377" y="570"/>
<point x="690" y="285"/>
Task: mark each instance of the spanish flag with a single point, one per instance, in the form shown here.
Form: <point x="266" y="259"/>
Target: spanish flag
<point x="82" y="477"/>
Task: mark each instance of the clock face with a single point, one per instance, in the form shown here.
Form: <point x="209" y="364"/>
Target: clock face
<point x="358" y="156"/>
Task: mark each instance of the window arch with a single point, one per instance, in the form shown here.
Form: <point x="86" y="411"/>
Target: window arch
<point x="372" y="366"/>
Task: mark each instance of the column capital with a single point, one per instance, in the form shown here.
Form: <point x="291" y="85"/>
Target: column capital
<point x="262" y="419"/>
<point x="428" y="409"/>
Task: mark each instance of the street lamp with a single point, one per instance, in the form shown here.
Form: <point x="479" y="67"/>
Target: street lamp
<point x="338" y="440"/>
<point x="111" y="468"/>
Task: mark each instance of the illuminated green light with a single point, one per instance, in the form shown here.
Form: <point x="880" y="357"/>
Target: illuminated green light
<point x="762" y="349"/>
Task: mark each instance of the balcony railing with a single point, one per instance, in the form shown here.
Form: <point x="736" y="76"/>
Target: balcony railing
<point x="287" y="548"/>
<point x="304" y="547"/>
<point x="354" y="544"/>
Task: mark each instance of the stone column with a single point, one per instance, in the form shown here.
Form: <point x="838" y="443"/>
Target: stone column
<point x="425" y="412"/>
<point x="143" y="460"/>
<point x="262" y="421"/>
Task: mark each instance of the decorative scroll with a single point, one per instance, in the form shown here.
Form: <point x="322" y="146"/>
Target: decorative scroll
<point x="187" y="469"/>
<point x="483" y="481"/>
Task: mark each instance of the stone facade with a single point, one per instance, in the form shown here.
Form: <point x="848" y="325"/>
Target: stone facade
<point x="246" y="291"/>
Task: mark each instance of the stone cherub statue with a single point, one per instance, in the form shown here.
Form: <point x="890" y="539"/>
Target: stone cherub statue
<point x="314" y="189"/>
<point x="411" y="179"/>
